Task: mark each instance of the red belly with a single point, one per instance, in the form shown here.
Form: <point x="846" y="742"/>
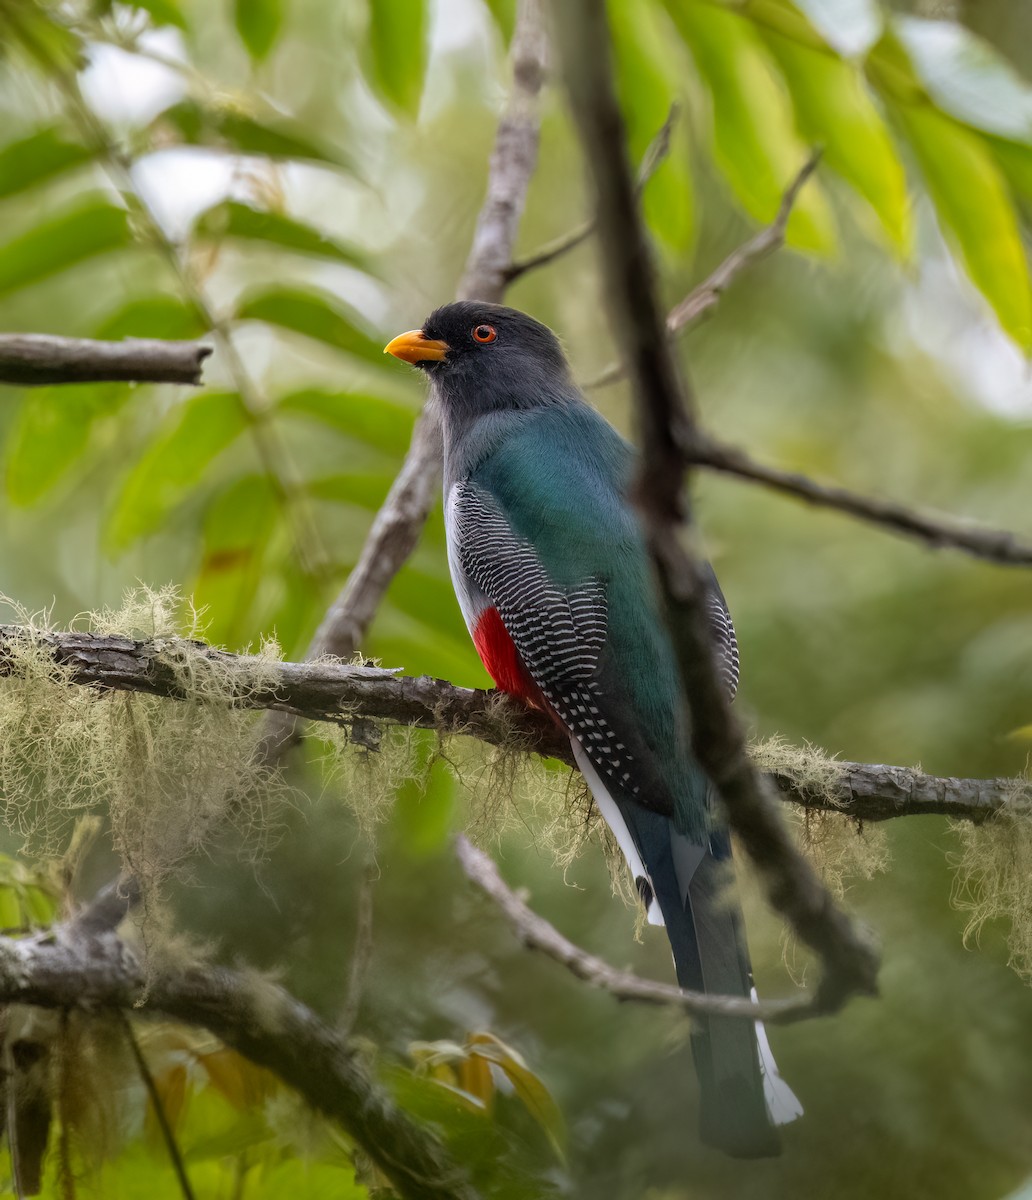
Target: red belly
<point x="502" y="660"/>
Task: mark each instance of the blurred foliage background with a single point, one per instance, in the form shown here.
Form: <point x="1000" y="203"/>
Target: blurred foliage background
<point x="299" y="181"/>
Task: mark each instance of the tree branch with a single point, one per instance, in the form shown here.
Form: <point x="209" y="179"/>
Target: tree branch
<point x="667" y="425"/>
<point x="657" y="150"/>
<point x="69" y="968"/>
<point x="344" y="693"/>
<point x="33" y="359"/>
<point x="994" y="545"/>
<point x="538" y="934"/>
<point x="400" y="521"/>
<point x="707" y="294"/>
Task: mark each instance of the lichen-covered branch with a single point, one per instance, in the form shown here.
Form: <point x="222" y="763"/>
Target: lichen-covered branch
<point x="33" y="359"/>
<point x="81" y="966"/>
<point x="179" y="669"/>
<point x="667" y="426"/>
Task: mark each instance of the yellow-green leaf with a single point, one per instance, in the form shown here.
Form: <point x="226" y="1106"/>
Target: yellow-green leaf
<point x="398" y="44"/>
<point x="87" y="230"/>
<point x="196" y="432"/>
<point x="316" y="314"/>
<point x="231" y="219"/>
<point x="973" y="203"/>
<point x="258" y="22"/>
<point x="755" y="143"/>
<point x="835" y="110"/>
<point x="37" y="158"/>
<point x="374" y="420"/>
<point x="535" y="1097"/>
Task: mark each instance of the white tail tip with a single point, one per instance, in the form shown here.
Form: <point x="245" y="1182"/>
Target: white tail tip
<point x="783" y="1105"/>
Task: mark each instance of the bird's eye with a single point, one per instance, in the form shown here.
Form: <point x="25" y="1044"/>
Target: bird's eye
<point x="484" y="333"/>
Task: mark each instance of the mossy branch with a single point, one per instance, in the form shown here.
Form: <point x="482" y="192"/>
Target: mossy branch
<point x="344" y="693"/>
<point x="80" y="966"/>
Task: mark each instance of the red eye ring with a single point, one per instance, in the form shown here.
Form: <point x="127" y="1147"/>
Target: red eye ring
<point x="484" y="333"/>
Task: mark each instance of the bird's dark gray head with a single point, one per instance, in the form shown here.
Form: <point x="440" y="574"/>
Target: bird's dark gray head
<point x="486" y="358"/>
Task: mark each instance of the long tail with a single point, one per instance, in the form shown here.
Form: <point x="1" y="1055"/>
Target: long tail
<point x="685" y="887"/>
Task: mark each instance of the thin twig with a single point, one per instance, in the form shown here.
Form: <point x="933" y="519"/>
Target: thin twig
<point x="33" y="359"/>
<point x="655" y="153"/>
<point x="993" y="545"/>
<point x="167" y="1133"/>
<point x="666" y="422"/>
<point x="346" y="694"/>
<point x="707" y="294"/>
<point x="538" y="934"/>
<point x="399" y="523"/>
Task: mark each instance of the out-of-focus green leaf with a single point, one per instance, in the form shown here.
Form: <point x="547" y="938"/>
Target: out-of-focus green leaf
<point x="755" y="144"/>
<point x="967" y="78"/>
<point x="1015" y="161"/>
<point x="232" y="219"/>
<point x="971" y="199"/>
<point x="385" y="424"/>
<point x="87" y="230"/>
<point x="197" y="431"/>
<point x="237" y="528"/>
<point x="152" y="317"/>
<point x="227" y="128"/>
<point x="161" y="12"/>
<point x="316" y="314"/>
<point x="258" y="22"/>
<point x="364" y="489"/>
<point x="504" y="13"/>
<point x="36" y="158"/>
<point x="835" y="110"/>
<point x="51" y="431"/>
<point x="398" y="44"/>
<point x="646" y="92"/>
<point x="850" y="26"/>
<point x="47" y="40"/>
<point x="423" y="812"/>
<point x="532" y="1092"/>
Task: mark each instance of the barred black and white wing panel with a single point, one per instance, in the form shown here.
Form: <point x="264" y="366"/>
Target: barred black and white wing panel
<point x="558" y="632"/>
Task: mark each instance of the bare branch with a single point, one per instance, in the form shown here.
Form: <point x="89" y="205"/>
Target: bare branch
<point x="707" y="294"/>
<point x="400" y="521"/>
<point x="34" y="359"/>
<point x="345" y="693"/>
<point x="994" y="545"/>
<point x="667" y="425"/>
<point x="63" y="968"/>
<point x="657" y="150"/>
<point x="537" y="934"/>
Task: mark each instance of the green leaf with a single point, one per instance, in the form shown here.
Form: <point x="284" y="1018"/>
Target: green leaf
<point x="755" y="143"/>
<point x="972" y="201"/>
<point x="235" y="220"/>
<point x="504" y="14"/>
<point x="314" y="313"/>
<point x="39" y="157"/>
<point x="227" y="128"/>
<point x="967" y="78"/>
<point x="532" y="1092"/>
<point x="835" y="110"/>
<point x="385" y="424"/>
<point x="161" y="12"/>
<point x="152" y="317"/>
<point x="86" y="231"/>
<point x="258" y="22"/>
<point x="646" y="92"/>
<point x="237" y="527"/>
<point x="850" y="26"/>
<point x="51" y="431"/>
<point x="398" y="44"/>
<point x="364" y="489"/>
<point x="197" y="431"/>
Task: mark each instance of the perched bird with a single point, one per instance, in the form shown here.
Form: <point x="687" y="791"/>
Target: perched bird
<point x="554" y="580"/>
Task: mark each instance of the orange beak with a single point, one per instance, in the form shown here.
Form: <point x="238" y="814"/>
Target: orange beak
<point x="416" y="347"/>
